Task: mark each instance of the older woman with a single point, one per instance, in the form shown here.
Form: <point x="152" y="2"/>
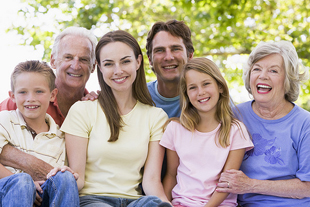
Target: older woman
<point x="277" y="171"/>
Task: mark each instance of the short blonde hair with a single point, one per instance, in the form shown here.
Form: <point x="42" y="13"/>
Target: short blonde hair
<point x="292" y="66"/>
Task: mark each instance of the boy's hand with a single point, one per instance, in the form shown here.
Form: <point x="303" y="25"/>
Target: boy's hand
<point x="38" y="200"/>
<point x="62" y="169"/>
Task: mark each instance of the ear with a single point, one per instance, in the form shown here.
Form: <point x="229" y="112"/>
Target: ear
<point x="93" y="67"/>
<point x="191" y="55"/>
<point x="12" y="96"/>
<point x="139" y="60"/>
<point x="52" y="62"/>
<point x="150" y="60"/>
<point x="53" y="94"/>
<point x="221" y="89"/>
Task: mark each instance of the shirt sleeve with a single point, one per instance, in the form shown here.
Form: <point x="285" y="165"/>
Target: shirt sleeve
<point x="240" y="137"/>
<point x="303" y="153"/>
<point x="167" y="140"/>
<point x="7" y="104"/>
<point x="4" y="131"/>
<point x="159" y="118"/>
<point x="79" y="120"/>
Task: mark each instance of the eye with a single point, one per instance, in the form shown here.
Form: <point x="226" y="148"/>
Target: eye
<point x="39" y="91"/>
<point x="126" y="61"/>
<point x="191" y="87"/>
<point x="68" y="57"/>
<point x="158" y="50"/>
<point x="273" y="71"/>
<point x="255" y="69"/>
<point x="206" y="83"/>
<point x="84" y="60"/>
<point x="107" y="64"/>
<point x="21" y="92"/>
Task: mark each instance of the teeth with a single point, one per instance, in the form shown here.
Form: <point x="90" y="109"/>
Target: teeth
<point x="170" y="67"/>
<point x="263" y="86"/>
<point x="31" y="107"/>
<point x="203" y="100"/>
<point x="74" y="75"/>
<point x="120" y="79"/>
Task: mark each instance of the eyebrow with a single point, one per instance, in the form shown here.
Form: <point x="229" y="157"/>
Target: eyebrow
<point x="273" y="66"/>
<point x="108" y="60"/>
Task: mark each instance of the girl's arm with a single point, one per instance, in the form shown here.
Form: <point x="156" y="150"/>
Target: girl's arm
<point x="233" y="161"/>
<point x="240" y="184"/>
<point x="152" y="170"/>
<point x="76" y="148"/>
<point x="170" y="179"/>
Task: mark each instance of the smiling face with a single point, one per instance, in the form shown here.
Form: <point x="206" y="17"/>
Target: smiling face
<point x="203" y="92"/>
<point x="32" y="95"/>
<point x="168" y="56"/>
<point x="119" y="66"/>
<point x="267" y="80"/>
<point x="73" y="62"/>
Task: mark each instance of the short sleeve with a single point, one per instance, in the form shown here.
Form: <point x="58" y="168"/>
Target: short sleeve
<point x="4" y="134"/>
<point x="303" y="153"/>
<point x="79" y="119"/>
<point x="159" y="118"/>
<point x="240" y="137"/>
<point x="167" y="140"/>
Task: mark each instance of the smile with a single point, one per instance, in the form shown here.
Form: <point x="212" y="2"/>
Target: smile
<point x="119" y="79"/>
<point x="170" y="67"/>
<point x="31" y="107"/>
<point x="74" y="75"/>
<point x="263" y="88"/>
<point x="203" y="100"/>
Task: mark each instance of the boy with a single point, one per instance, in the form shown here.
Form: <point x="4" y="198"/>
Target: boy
<point x="33" y="131"/>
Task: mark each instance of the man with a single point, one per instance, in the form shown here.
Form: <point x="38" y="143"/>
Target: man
<point x="169" y="47"/>
<point x="73" y="57"/>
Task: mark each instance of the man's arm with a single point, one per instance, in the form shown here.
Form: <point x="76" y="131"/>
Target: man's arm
<point x="36" y="168"/>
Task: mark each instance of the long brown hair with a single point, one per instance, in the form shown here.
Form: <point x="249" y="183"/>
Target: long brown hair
<point x="189" y="115"/>
<point x="139" y="89"/>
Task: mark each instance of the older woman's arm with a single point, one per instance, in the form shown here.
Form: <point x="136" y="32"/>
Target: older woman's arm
<point x="152" y="170"/>
<point x="76" y="148"/>
<point x="241" y="184"/>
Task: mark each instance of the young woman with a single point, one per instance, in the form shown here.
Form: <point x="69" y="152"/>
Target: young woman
<point x="109" y="140"/>
<point x="205" y="140"/>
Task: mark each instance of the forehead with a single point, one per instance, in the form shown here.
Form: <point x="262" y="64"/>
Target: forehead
<point x="75" y="45"/>
<point x="115" y="50"/>
<point x="165" y="39"/>
<point x="194" y="76"/>
<point x="26" y="79"/>
<point x="271" y="60"/>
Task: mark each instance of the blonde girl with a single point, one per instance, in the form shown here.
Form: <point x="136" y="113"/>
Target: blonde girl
<point x="204" y="141"/>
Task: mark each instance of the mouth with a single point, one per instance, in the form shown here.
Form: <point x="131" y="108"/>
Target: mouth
<point x="74" y="75"/>
<point x="204" y="100"/>
<point x="31" y="107"/>
<point x="261" y="88"/>
<point x="169" y="67"/>
<point x="119" y="80"/>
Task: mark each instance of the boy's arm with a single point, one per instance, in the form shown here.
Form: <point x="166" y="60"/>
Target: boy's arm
<point x="36" y="168"/>
<point x="233" y="161"/>
<point x="170" y="179"/>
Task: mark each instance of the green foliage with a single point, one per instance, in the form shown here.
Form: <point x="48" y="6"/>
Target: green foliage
<point x="221" y="28"/>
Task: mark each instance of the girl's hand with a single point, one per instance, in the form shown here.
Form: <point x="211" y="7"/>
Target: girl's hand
<point x="38" y="184"/>
<point x="62" y="169"/>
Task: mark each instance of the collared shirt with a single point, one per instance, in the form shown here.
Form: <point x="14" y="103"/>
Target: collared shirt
<point x="52" y="110"/>
<point x="47" y="146"/>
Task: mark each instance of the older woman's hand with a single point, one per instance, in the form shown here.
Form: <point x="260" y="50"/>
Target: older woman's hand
<point x="234" y="181"/>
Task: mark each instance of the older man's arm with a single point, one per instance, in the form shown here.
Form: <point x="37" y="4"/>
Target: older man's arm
<point x="36" y="168"/>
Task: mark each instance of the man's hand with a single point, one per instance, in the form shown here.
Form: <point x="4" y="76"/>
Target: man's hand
<point x="36" y="168"/>
<point x="91" y="96"/>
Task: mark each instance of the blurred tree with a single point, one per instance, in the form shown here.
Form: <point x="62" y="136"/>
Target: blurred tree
<point x="224" y="30"/>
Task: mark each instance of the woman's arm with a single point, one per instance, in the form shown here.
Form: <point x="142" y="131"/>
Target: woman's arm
<point x="4" y="172"/>
<point x="76" y="148"/>
<point x="152" y="170"/>
<point x="233" y="161"/>
<point x="240" y="184"/>
<point x="170" y="179"/>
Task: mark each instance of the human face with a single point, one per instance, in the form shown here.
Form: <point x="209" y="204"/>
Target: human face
<point x="267" y="80"/>
<point x="32" y="95"/>
<point x="203" y="92"/>
<point x="119" y="66"/>
<point x="168" y="57"/>
<point x="73" y="62"/>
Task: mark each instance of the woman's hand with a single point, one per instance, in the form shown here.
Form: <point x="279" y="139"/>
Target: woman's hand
<point x="62" y="169"/>
<point x="38" y="200"/>
<point x="234" y="181"/>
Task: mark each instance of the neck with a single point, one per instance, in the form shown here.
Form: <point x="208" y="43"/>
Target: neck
<point x="272" y="112"/>
<point x="125" y="102"/>
<point x="38" y="125"/>
<point x="66" y="97"/>
<point x="168" y="89"/>
<point x="207" y="123"/>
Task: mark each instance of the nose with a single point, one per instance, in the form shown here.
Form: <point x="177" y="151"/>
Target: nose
<point x="30" y="97"/>
<point x="201" y="91"/>
<point x="118" y="70"/>
<point x="263" y="74"/>
<point x="169" y="55"/>
<point x="75" y="64"/>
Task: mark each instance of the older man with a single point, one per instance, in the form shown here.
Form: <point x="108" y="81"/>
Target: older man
<point x="73" y="57"/>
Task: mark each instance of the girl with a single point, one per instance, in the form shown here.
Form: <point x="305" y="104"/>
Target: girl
<point x="205" y="140"/>
<point x="109" y="140"/>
